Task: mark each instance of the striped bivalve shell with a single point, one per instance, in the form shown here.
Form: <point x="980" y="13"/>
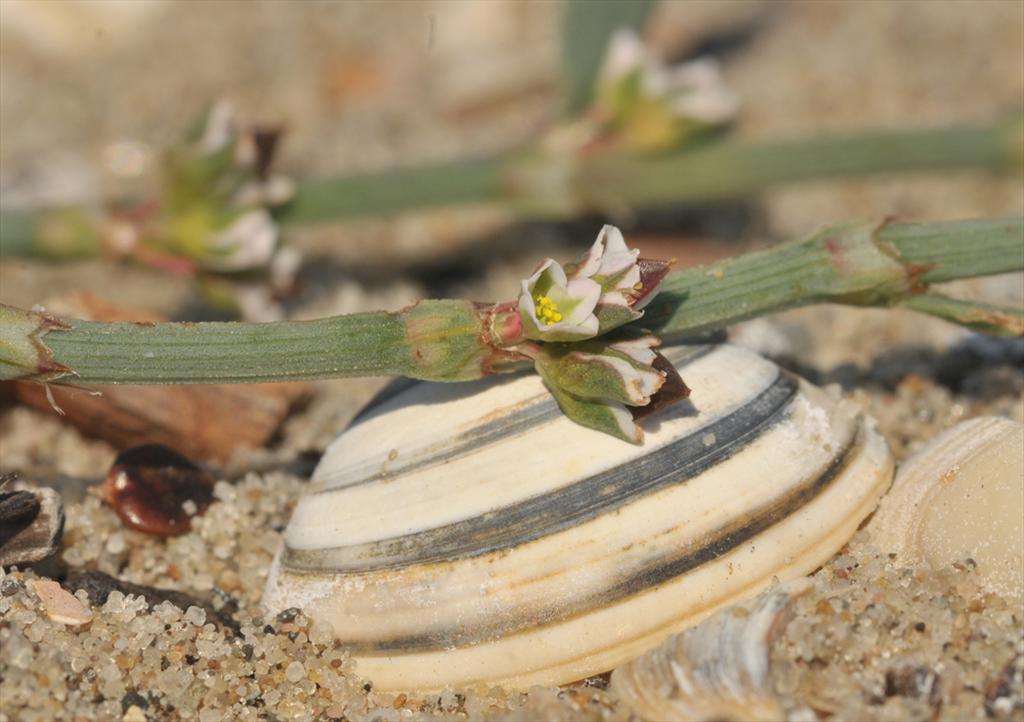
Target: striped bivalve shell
<point x="458" y="534"/>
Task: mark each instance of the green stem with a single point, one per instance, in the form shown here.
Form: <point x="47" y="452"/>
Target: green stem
<point x="547" y="185"/>
<point x="397" y="190"/>
<point x="430" y="340"/>
<point x="979" y="247"/>
<point x="732" y="169"/>
<point x="853" y="263"/>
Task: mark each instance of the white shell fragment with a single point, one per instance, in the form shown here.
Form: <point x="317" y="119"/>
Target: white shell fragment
<point x="61" y="605"/>
<point x="471" y="533"/>
<point x="961" y="496"/>
<point x="715" y="671"/>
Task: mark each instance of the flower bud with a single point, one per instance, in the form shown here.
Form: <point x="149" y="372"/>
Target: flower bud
<point x="628" y="283"/>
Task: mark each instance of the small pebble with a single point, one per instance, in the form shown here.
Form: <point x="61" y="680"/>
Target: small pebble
<point x="116" y="544"/>
<point x="31" y="524"/>
<point x="195" y="615"/>
<point x="295" y="671"/>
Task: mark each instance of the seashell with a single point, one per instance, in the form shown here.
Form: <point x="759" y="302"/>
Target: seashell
<point x="715" y="671"/>
<point x="961" y="496"/>
<point x="470" y="533"/>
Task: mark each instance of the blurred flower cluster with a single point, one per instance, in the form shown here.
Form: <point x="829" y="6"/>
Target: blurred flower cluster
<point x="213" y="215"/>
<point x="645" y="105"/>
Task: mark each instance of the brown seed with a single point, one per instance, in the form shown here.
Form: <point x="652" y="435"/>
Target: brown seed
<point x="148" y="484"/>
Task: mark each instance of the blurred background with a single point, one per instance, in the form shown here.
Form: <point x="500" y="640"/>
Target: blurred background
<point x="92" y="92"/>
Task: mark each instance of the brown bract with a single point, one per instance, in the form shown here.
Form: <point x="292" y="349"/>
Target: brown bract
<point x="674" y="389"/>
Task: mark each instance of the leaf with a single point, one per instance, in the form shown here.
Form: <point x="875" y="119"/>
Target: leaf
<point x="586" y="27"/>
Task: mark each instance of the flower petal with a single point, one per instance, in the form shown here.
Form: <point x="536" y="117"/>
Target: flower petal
<point x="640" y="349"/>
<point x="626" y="54"/>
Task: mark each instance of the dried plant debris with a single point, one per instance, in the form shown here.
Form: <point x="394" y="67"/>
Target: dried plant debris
<point x="156" y="490"/>
<point x="99" y="587"/>
<point x="31" y="523"/>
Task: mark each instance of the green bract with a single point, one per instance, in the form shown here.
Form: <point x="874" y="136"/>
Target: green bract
<point x="614" y="373"/>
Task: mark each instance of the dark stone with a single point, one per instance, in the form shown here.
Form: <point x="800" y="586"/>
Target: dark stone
<point x="133" y="699"/>
<point x="913" y="682"/>
<point x="1007" y="684"/>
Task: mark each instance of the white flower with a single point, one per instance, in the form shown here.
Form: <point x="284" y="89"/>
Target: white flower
<point x="698" y="92"/>
<point x="220" y="128"/>
<point x="553" y="308"/>
<point x="618" y="372"/>
<point x="606" y="288"/>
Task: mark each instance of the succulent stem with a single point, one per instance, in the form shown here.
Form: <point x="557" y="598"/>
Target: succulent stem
<point x="853" y="263"/>
<point x="441" y="340"/>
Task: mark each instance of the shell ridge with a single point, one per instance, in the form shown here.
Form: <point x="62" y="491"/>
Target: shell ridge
<point x="539" y="409"/>
<point x="656" y="572"/>
<point x="542" y="410"/>
<point x="548" y="514"/>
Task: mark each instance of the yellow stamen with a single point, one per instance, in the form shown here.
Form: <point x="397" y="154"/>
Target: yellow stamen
<point x="547" y="310"/>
